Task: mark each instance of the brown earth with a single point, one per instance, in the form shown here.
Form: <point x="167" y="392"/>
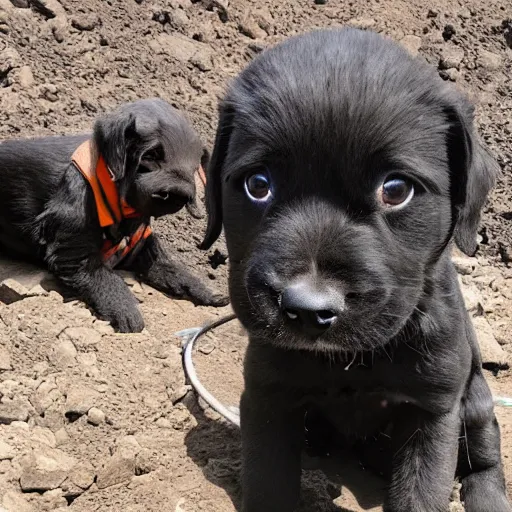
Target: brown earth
<point x="95" y="421"/>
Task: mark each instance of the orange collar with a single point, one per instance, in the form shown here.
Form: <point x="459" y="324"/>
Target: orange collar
<point x="110" y="207"/>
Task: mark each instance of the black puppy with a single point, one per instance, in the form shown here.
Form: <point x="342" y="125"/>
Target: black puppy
<point x="342" y="170"/>
<point x="82" y="205"/>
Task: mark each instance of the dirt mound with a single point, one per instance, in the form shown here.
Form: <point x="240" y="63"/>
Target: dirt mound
<point x="93" y="420"/>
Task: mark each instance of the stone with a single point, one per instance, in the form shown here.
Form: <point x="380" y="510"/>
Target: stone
<point x="465" y="265"/>
<point x="61" y="437"/>
<point x="127" y="446"/>
<point x="452" y="74"/>
<point x="15" y="410"/>
<point x="86" y="22"/>
<point x="181" y="48"/>
<point x="79" y="400"/>
<point x="45" y="469"/>
<point x="11" y="291"/>
<point x="53" y="499"/>
<point x="488" y="60"/>
<point x="63" y="354"/>
<point x="452" y="57"/>
<point x="41" y="435"/>
<point x="48" y="8"/>
<point x="493" y="355"/>
<point x="20" y="4"/>
<point x="45" y="395"/>
<point x="412" y="44"/>
<point x="82" y="475"/>
<point x="362" y="23"/>
<point x="248" y="27"/>
<point x="96" y="416"/>
<point x="5" y="359"/>
<point x="26" y="80"/>
<point x="6" y="451"/>
<point x="118" y="469"/>
<point x="83" y="338"/>
<point x="472" y="298"/>
<point x="15" y="502"/>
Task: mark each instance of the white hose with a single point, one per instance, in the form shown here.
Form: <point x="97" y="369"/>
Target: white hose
<point x="231" y="413"/>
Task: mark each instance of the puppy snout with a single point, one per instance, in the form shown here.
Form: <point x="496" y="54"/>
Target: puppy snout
<point x="309" y="308"/>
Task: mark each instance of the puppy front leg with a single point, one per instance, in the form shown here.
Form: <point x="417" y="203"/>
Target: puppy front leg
<point x="271" y="449"/>
<point x="97" y="285"/>
<point x="483" y="482"/>
<point x="424" y="460"/>
<point x="155" y="268"/>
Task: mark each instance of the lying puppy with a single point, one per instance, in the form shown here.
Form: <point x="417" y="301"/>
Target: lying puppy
<point x="342" y="170"/>
<point x="82" y="205"/>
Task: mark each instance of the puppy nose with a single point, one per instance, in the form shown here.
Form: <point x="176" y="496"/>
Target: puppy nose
<point x="311" y="309"/>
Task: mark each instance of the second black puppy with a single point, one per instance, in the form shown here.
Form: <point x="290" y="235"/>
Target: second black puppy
<point x="82" y="205"/>
<point x="342" y="170"/>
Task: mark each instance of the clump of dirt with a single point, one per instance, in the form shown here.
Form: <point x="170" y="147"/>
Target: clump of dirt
<point x="93" y="420"/>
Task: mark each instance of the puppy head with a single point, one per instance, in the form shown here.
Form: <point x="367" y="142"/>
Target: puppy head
<point x="342" y="169"/>
<point x="153" y="153"/>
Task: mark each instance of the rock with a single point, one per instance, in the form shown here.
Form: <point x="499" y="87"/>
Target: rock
<point x="86" y="22"/>
<point x="45" y="469"/>
<point x="48" y="8"/>
<point x="181" y="48"/>
<point x="118" y="469"/>
<point x="53" y="499"/>
<point x="472" y="298"/>
<point x="488" y="60"/>
<point x="63" y="354"/>
<point x="163" y="423"/>
<point x="451" y="74"/>
<point x="46" y="394"/>
<point x="11" y="291"/>
<point x="127" y="446"/>
<point x="6" y="451"/>
<point x="412" y="44"/>
<point x="465" y="265"/>
<point x="363" y="23"/>
<point x="96" y="416"/>
<point x="61" y="437"/>
<point x="21" y="4"/>
<point x="59" y="28"/>
<point x="42" y="435"/>
<point x="83" y="338"/>
<point x="49" y="92"/>
<point x="451" y="57"/>
<point x="5" y="359"/>
<point x="464" y="13"/>
<point x="15" y="502"/>
<point x="82" y="475"/>
<point x="248" y="27"/>
<point x="79" y="401"/>
<point x="26" y="80"/>
<point x="15" y="410"/>
<point x="493" y="356"/>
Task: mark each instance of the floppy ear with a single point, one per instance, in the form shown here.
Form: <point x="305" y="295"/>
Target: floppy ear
<point x="214" y="177"/>
<point x="473" y="174"/>
<point x="113" y="135"/>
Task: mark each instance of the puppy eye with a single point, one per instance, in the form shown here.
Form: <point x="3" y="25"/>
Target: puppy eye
<point x="257" y="187"/>
<point x="154" y="155"/>
<point x="396" y="192"/>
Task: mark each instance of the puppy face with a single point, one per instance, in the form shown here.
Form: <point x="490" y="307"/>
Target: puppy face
<point x="153" y="153"/>
<point x="341" y="171"/>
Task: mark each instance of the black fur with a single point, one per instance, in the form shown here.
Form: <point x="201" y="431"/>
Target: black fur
<point x="327" y="116"/>
<point x="48" y="214"/>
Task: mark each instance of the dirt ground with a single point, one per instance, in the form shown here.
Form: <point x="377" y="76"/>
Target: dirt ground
<point x="91" y="420"/>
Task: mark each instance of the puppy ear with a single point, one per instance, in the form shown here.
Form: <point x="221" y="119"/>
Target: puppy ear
<point x="114" y="134"/>
<point x="474" y="172"/>
<point x="214" y="177"/>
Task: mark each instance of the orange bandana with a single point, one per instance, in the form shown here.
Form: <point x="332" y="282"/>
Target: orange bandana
<point x="111" y="209"/>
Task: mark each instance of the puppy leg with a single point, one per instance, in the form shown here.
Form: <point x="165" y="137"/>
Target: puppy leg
<point x="271" y="448"/>
<point x="170" y="277"/>
<point x="483" y="482"/>
<point x="424" y="461"/>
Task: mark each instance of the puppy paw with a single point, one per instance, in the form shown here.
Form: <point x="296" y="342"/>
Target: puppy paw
<point x="206" y="297"/>
<point x="126" y="319"/>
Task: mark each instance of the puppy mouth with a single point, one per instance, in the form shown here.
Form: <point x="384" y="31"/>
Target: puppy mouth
<point x="166" y="203"/>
